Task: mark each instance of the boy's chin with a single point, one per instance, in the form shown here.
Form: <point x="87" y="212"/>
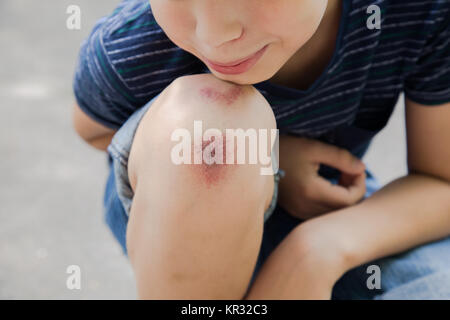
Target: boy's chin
<point x="246" y="78"/>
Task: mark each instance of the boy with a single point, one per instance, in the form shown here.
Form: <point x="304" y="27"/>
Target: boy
<point x="331" y="84"/>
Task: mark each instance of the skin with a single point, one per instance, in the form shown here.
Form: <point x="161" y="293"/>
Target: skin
<point x="194" y="230"/>
<point x="213" y="173"/>
<point x="225" y="31"/>
<point x="228" y="97"/>
<point x="316" y="253"/>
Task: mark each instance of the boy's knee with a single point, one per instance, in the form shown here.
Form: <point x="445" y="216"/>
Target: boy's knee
<point x="192" y="100"/>
<point x="202" y="197"/>
<point x="216" y="102"/>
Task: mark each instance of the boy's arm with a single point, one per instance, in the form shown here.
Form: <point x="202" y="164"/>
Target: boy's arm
<point x="407" y="212"/>
<point x="94" y="133"/>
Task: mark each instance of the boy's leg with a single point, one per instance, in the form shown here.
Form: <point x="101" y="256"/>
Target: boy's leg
<point x="419" y="273"/>
<point x="195" y="230"/>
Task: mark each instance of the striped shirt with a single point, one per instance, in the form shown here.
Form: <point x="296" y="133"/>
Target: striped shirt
<point x="128" y="59"/>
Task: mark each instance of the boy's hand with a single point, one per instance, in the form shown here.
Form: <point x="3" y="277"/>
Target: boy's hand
<point x="303" y="192"/>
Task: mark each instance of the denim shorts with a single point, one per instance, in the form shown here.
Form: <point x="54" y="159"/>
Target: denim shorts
<point x="419" y="273"/>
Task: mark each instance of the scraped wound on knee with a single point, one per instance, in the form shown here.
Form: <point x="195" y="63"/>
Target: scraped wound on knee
<point x="213" y="167"/>
<point x="228" y="97"/>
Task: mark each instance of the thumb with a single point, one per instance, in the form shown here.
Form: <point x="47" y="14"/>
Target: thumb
<point x="338" y="158"/>
<point x="337" y="195"/>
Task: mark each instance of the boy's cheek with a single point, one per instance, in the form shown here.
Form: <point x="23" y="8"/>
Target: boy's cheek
<point x="176" y="21"/>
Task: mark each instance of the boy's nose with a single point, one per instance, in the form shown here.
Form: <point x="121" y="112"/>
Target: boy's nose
<point x="217" y="23"/>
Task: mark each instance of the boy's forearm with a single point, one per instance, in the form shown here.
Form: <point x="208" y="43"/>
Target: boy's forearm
<point x="406" y="213"/>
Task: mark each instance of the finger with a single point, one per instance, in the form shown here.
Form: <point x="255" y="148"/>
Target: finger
<point x="346" y="180"/>
<point x="338" y="196"/>
<point x="355" y="184"/>
<point x="338" y="158"/>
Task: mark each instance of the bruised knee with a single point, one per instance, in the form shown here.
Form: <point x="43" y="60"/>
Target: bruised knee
<point x="188" y="123"/>
<point x="205" y="97"/>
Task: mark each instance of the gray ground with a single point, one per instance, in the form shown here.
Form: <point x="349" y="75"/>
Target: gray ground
<point x="52" y="183"/>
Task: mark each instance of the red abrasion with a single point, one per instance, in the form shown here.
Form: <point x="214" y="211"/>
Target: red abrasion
<point x="214" y="173"/>
<point x="228" y="97"/>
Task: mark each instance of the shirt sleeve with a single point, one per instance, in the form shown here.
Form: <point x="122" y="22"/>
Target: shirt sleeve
<point x="98" y="90"/>
<point x="429" y="82"/>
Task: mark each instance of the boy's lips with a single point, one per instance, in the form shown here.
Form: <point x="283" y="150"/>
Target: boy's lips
<point x="237" y="66"/>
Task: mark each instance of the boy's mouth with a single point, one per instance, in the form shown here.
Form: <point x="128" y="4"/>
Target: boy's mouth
<point x="238" y="66"/>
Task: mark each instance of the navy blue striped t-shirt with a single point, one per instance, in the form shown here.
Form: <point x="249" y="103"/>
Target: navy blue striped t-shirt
<point x="128" y="59"/>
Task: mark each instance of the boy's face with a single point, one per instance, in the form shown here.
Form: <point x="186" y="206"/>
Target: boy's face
<point x="225" y="31"/>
